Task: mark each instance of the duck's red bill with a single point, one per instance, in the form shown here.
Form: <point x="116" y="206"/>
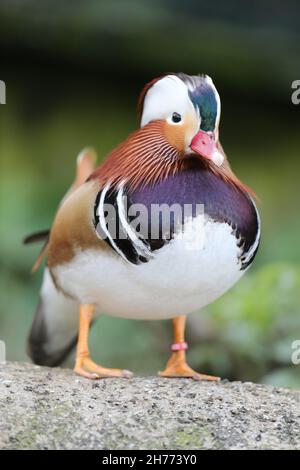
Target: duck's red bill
<point x="204" y="144"/>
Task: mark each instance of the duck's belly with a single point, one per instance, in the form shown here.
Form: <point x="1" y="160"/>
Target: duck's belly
<point x="183" y="276"/>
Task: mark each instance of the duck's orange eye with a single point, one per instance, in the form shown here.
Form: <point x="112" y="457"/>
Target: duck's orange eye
<point x="176" y="117"/>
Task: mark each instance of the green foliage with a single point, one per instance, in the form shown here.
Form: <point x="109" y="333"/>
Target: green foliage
<point x="254" y="327"/>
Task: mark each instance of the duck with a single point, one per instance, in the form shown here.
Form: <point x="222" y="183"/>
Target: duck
<point x="159" y="230"/>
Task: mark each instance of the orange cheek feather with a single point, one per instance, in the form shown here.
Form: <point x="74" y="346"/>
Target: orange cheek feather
<point x="179" y="136"/>
<point x="175" y="136"/>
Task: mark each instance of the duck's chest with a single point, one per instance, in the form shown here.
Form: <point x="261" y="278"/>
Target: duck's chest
<point x="194" y="205"/>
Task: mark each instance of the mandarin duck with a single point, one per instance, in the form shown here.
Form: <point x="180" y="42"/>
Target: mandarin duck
<point x="161" y="229"/>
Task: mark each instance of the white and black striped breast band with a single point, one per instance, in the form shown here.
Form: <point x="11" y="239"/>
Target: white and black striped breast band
<point x="112" y="226"/>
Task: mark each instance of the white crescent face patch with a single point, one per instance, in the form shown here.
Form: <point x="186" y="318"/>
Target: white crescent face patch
<point x="167" y="96"/>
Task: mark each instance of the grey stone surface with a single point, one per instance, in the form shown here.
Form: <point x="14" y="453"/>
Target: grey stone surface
<point x="42" y="408"/>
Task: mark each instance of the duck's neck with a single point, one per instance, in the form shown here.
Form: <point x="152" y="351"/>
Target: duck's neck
<point x="146" y="158"/>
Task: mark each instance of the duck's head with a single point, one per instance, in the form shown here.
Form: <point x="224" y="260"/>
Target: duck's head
<point x="179" y="123"/>
<point x="189" y="109"/>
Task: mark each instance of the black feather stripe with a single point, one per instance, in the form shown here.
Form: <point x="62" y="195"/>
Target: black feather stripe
<point x="117" y="237"/>
<point x="43" y="235"/>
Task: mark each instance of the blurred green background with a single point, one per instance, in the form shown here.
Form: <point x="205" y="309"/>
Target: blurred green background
<point x="73" y="72"/>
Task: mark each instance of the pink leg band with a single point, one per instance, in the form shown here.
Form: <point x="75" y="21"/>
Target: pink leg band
<point x="183" y="346"/>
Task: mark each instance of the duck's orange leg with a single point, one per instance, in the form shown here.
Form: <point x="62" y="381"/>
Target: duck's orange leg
<point x="177" y="365"/>
<point x="84" y="365"/>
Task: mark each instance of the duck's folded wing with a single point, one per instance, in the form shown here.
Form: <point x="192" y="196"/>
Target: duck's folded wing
<point x="85" y="165"/>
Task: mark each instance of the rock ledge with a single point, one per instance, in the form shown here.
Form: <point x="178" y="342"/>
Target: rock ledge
<point x="42" y="408"/>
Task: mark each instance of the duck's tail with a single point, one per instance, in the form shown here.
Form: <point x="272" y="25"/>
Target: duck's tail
<point x="54" y="329"/>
